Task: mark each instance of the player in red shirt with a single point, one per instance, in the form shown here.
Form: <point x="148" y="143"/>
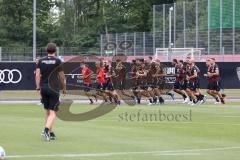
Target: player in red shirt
<point x="87" y="81"/>
<point x="101" y="81"/>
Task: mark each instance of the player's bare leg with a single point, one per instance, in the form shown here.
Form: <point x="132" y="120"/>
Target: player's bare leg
<point x="180" y="92"/>
<point x="215" y="96"/>
<point x="191" y="95"/>
<point x="146" y="94"/>
<point x="221" y="96"/>
<point x="159" y="95"/>
<point x="152" y="94"/>
<point x="199" y="96"/>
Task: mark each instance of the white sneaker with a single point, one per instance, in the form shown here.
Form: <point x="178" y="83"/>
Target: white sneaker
<point x="216" y="103"/>
<point x="39" y="104"/>
<point x="190" y="103"/>
<point x="186" y="100"/>
<point x="200" y="102"/>
<point x="150" y="104"/>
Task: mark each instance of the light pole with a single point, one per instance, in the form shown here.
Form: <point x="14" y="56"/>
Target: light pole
<point x="170" y="27"/>
<point x="170" y="33"/>
<point x="34" y="30"/>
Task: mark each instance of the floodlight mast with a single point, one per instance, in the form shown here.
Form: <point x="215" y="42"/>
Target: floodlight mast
<point x="170" y="28"/>
<point x="34" y="30"/>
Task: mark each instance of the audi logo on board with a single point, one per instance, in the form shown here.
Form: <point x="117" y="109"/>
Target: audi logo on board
<point x="8" y="76"/>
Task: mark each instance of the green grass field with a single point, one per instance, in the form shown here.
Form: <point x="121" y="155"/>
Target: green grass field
<point x="213" y="133"/>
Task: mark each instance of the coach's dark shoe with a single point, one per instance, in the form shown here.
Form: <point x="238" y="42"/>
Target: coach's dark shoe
<point x="52" y="136"/>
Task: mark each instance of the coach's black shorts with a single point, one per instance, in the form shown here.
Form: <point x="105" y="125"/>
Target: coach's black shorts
<point x="216" y="86"/>
<point x="50" y="99"/>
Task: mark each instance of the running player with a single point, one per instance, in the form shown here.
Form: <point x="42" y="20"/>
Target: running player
<point x="120" y="71"/>
<point x="179" y="74"/>
<point x="160" y="75"/>
<point x="134" y="81"/>
<point x="120" y="82"/>
<point x="193" y="87"/>
<point x="151" y="80"/>
<point x="109" y="88"/>
<point x="142" y="82"/>
<point x="101" y="81"/>
<point x="87" y="82"/>
<point x="50" y="79"/>
<point x="215" y="85"/>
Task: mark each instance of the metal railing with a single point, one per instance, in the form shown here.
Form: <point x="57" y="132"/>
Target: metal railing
<point x="210" y="24"/>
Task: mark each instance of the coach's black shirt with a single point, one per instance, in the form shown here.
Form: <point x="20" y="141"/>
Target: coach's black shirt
<point x="49" y="67"/>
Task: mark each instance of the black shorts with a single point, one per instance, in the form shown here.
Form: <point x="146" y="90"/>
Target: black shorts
<point x="50" y="99"/>
<point x="216" y="86"/>
<point x="109" y="86"/>
<point x="193" y="85"/>
<point x="177" y="85"/>
<point x="101" y="87"/>
<point x="183" y="85"/>
<point x="87" y="87"/>
<point x="120" y="85"/>
<point x="161" y="86"/>
<point x="153" y="85"/>
<point x="143" y="86"/>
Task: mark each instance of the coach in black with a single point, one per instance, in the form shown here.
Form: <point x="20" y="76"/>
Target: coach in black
<point x="50" y="79"/>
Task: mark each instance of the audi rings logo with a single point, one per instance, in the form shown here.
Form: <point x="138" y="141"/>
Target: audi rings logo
<point x="10" y="76"/>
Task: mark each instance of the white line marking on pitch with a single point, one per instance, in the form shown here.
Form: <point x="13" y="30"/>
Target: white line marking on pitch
<point x="178" y="154"/>
<point x="167" y="152"/>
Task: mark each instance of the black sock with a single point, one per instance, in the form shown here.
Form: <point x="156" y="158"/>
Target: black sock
<point x="52" y="134"/>
<point x="195" y="101"/>
<point x="91" y="100"/>
<point x="150" y="100"/>
<point x="160" y="99"/>
<point x="198" y="97"/>
<point x="46" y="130"/>
<point x="184" y="96"/>
<point x="110" y="98"/>
<point x="217" y="99"/>
<point x="139" y="100"/>
<point x="155" y="99"/>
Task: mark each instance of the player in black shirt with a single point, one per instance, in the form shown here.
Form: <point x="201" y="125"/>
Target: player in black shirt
<point x="50" y="79"/>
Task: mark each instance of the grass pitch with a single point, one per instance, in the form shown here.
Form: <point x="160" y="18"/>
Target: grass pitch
<point x="212" y="133"/>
